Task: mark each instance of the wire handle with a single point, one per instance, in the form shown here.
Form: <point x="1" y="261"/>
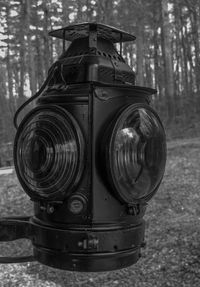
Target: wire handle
<point x="12" y="228"/>
<point x="55" y="66"/>
<point x="16" y="259"/>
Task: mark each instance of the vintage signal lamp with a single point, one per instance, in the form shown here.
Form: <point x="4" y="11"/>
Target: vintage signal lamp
<point x="90" y="155"/>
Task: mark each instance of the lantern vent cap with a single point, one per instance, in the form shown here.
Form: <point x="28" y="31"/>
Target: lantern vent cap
<point x="78" y="31"/>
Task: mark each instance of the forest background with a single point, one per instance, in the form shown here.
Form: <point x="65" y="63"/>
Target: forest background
<point x="165" y="55"/>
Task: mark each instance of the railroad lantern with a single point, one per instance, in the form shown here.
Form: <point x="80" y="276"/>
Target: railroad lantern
<point x="90" y="156"/>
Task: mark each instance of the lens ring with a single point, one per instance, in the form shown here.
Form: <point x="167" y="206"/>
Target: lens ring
<point x="136" y="153"/>
<point x="49" y="152"/>
<point x="53" y="138"/>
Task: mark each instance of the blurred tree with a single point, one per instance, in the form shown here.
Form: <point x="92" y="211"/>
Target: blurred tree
<point x="106" y="13"/>
<point x="8" y="59"/>
<point x="4" y="112"/>
<point x="140" y="33"/>
<point x="65" y="11"/>
<point x="165" y="55"/>
<point x="22" y="51"/>
<point x="39" y="63"/>
<point x="167" y="59"/>
<point x="194" y="14"/>
<point x="31" y="54"/>
<point x="45" y="9"/>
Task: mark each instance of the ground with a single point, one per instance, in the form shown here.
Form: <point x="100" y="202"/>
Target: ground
<point x="172" y="255"/>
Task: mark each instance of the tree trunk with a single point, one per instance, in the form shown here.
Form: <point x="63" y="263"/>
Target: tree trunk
<point x="46" y="38"/>
<point x="195" y="24"/>
<point x="140" y="51"/>
<point x="178" y="69"/>
<point x="40" y="58"/>
<point x="31" y="63"/>
<point x="65" y="12"/>
<point x="4" y="112"/>
<point x="167" y="57"/>
<point x="156" y="59"/>
<point x="185" y="82"/>
<point x="80" y="17"/>
<point x="9" y="66"/>
<point x="22" y="52"/>
<point x="106" y="7"/>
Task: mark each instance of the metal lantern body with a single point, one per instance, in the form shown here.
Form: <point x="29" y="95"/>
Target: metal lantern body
<point x="90" y="156"/>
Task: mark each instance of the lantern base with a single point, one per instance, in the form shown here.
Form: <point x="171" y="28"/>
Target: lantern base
<point x="93" y="249"/>
<point x="91" y="262"/>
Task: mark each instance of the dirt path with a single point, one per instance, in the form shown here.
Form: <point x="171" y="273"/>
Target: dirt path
<point x="183" y="142"/>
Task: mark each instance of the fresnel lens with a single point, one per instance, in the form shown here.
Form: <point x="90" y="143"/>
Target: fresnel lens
<point x="136" y="154"/>
<point x="49" y="150"/>
<point x="90" y="156"/>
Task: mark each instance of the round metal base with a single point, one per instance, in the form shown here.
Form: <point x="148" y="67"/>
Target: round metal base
<point x="87" y="249"/>
<point x="90" y="262"/>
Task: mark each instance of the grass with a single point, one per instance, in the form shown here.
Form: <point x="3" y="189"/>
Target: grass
<point x="172" y="255"/>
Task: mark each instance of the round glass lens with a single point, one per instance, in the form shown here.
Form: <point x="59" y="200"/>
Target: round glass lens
<point x="138" y="153"/>
<point x="49" y="151"/>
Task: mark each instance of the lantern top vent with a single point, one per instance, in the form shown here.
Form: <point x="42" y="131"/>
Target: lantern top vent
<point x="92" y="55"/>
<point x="78" y="31"/>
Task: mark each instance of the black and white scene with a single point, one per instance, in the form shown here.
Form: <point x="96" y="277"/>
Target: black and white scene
<point x="100" y="143"/>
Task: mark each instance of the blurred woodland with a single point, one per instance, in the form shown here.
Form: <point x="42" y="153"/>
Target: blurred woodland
<point x="165" y="55"/>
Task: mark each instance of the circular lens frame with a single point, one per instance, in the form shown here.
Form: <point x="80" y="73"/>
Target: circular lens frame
<point x="135" y="153"/>
<point x="49" y="153"/>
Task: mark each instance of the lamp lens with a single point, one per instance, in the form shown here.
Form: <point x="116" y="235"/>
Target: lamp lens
<point x="48" y="152"/>
<point x="137" y="153"/>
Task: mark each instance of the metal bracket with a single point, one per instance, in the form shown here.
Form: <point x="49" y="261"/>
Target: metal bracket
<point x="93" y="38"/>
<point x="103" y="95"/>
<point x="12" y="228"/>
<point x="133" y="209"/>
<point x="89" y="243"/>
<point x="63" y="40"/>
<point x="117" y="71"/>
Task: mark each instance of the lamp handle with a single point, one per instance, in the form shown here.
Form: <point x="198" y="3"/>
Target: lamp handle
<point x="12" y="228"/>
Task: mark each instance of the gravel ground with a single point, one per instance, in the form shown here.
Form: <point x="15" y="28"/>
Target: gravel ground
<point x="172" y="255"/>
